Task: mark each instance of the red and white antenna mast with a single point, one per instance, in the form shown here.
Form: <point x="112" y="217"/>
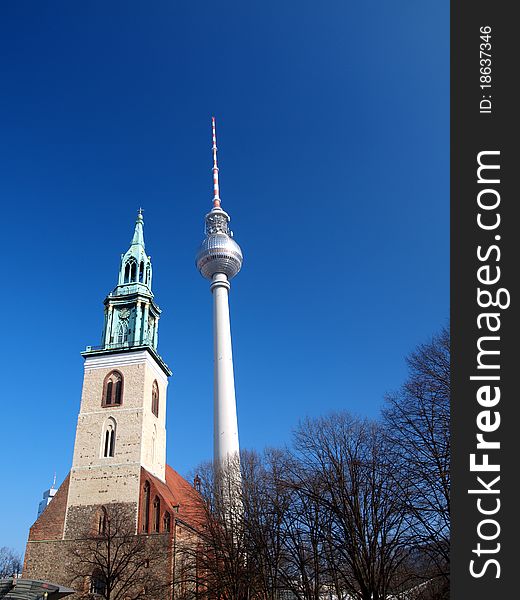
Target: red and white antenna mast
<point x="216" y="190"/>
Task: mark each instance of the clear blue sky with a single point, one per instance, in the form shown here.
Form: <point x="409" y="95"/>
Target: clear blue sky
<point x="333" y="132"/>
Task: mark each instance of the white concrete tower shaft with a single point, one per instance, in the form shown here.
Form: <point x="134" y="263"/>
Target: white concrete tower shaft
<point x="219" y="259"/>
<point x="225" y="423"/>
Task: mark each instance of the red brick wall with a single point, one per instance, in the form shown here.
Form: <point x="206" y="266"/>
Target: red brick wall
<point x="166" y="504"/>
<point x="49" y="525"/>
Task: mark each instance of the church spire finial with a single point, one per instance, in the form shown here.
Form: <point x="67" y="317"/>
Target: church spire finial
<point x="216" y="190"/>
<point x="139" y="231"/>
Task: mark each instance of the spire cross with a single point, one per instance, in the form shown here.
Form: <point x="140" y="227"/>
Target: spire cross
<point x="216" y="191"/>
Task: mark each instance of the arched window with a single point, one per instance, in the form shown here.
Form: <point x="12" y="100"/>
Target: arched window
<point x="131" y="270"/>
<point x="109" y="438"/>
<point x="155" y="398"/>
<point x="97" y="583"/>
<point x="141" y="271"/>
<point x="102" y="522"/>
<point x="156" y="514"/>
<point x="151" y="329"/>
<point x="166" y="521"/>
<point x="122" y="332"/>
<point x="147" y="275"/>
<point x="113" y="389"/>
<point x="146" y="506"/>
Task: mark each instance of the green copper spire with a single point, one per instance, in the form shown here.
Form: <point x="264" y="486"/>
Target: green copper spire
<point x="139" y="233"/>
<point x="136" y="267"/>
<point x="131" y="315"/>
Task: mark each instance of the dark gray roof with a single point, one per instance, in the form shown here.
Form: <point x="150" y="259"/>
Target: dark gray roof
<point x="31" y="589"/>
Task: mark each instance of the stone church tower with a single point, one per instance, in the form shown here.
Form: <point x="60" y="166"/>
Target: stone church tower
<point x="121" y="424"/>
<point x="120" y="447"/>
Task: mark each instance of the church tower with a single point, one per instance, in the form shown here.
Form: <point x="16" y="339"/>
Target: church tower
<point x="121" y="423"/>
<point x="119" y="462"/>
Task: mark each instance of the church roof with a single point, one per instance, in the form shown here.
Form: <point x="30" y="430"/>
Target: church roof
<point x="179" y="495"/>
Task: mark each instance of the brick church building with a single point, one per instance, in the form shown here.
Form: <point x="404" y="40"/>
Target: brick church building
<point x="120" y="447"/>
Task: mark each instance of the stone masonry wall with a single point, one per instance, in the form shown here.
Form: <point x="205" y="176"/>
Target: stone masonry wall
<point x="54" y="561"/>
<point x="98" y="479"/>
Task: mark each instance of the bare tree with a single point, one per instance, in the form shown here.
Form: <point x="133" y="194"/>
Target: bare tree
<point x="217" y="566"/>
<point x="345" y="469"/>
<point x="357" y="508"/>
<point x="10" y="562"/>
<point x="303" y="571"/>
<point x="271" y="545"/>
<point x="325" y="519"/>
<point x="282" y="528"/>
<point x="417" y="419"/>
<point x="117" y="563"/>
<point x="264" y="504"/>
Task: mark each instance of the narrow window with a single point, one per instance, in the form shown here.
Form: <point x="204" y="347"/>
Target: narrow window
<point x="166" y="521"/>
<point x="112" y="443"/>
<point x="122" y="333"/>
<point x="108" y="399"/>
<point x="107" y="443"/>
<point x="156" y="514"/>
<point x="148" y="275"/>
<point x="146" y="506"/>
<point x="127" y="272"/>
<point x="102" y="524"/>
<point x="141" y="271"/>
<point x="117" y="395"/>
<point x="97" y="583"/>
<point x="155" y="399"/>
<point x="113" y="389"/>
<point x="151" y="331"/>
<point x="133" y="274"/>
<point x="109" y="439"/>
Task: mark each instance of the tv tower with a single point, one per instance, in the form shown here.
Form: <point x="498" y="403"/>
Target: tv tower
<point x="219" y="259"/>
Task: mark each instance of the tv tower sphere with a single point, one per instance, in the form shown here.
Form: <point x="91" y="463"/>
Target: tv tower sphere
<point x="218" y="253"/>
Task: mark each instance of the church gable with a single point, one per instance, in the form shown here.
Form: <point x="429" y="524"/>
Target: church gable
<point x="49" y="525"/>
<point x="163" y="502"/>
